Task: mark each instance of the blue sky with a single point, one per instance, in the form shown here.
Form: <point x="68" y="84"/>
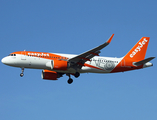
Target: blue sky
<point x="69" y="26"/>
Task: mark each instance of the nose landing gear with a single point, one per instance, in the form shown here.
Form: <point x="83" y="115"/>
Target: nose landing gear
<point x="22" y="72"/>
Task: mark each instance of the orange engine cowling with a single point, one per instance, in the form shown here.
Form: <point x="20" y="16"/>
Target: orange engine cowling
<point x="49" y="75"/>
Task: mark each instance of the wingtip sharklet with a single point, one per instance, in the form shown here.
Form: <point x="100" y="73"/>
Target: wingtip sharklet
<point x="109" y="40"/>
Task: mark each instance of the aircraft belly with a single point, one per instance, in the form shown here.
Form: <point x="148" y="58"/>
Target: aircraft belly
<point x="92" y="70"/>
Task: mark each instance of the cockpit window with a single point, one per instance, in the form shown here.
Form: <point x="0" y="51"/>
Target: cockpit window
<point x="12" y="54"/>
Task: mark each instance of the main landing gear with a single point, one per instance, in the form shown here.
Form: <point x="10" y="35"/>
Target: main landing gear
<point x="70" y="80"/>
<point x="22" y="72"/>
<point x="77" y="74"/>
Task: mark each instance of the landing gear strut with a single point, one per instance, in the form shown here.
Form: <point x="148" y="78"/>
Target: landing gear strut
<point x="22" y="72"/>
<point x="69" y="80"/>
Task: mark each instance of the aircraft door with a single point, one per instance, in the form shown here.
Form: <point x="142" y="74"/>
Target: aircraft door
<point x="23" y="55"/>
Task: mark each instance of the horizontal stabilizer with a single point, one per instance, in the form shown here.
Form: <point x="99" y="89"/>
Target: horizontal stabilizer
<point x="143" y="61"/>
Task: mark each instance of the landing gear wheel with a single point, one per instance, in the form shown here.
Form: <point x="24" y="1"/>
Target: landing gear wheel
<point x="70" y="80"/>
<point x="77" y="74"/>
<point x="21" y="74"/>
<point x="22" y="69"/>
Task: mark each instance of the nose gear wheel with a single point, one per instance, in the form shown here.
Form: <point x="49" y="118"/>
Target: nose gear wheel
<point x="22" y="72"/>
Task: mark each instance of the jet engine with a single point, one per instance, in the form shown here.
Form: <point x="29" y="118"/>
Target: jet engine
<point x="49" y="75"/>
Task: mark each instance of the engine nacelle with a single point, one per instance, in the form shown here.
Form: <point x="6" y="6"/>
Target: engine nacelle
<point x="57" y="65"/>
<point x="49" y="75"/>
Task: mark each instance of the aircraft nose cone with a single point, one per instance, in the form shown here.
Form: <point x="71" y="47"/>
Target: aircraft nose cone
<point x="4" y="60"/>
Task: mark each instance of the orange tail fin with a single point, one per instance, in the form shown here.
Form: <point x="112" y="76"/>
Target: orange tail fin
<point x="138" y="52"/>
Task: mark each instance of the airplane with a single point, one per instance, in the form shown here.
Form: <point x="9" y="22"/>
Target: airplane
<point x="55" y="65"/>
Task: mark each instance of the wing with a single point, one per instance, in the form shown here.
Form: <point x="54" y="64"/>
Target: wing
<point x="79" y="60"/>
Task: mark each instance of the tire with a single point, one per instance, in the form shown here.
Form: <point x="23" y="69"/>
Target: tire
<point x="21" y="74"/>
<point x="70" y="81"/>
<point x="77" y="74"/>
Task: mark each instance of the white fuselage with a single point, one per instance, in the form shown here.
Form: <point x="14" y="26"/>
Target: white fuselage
<point x="96" y="65"/>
